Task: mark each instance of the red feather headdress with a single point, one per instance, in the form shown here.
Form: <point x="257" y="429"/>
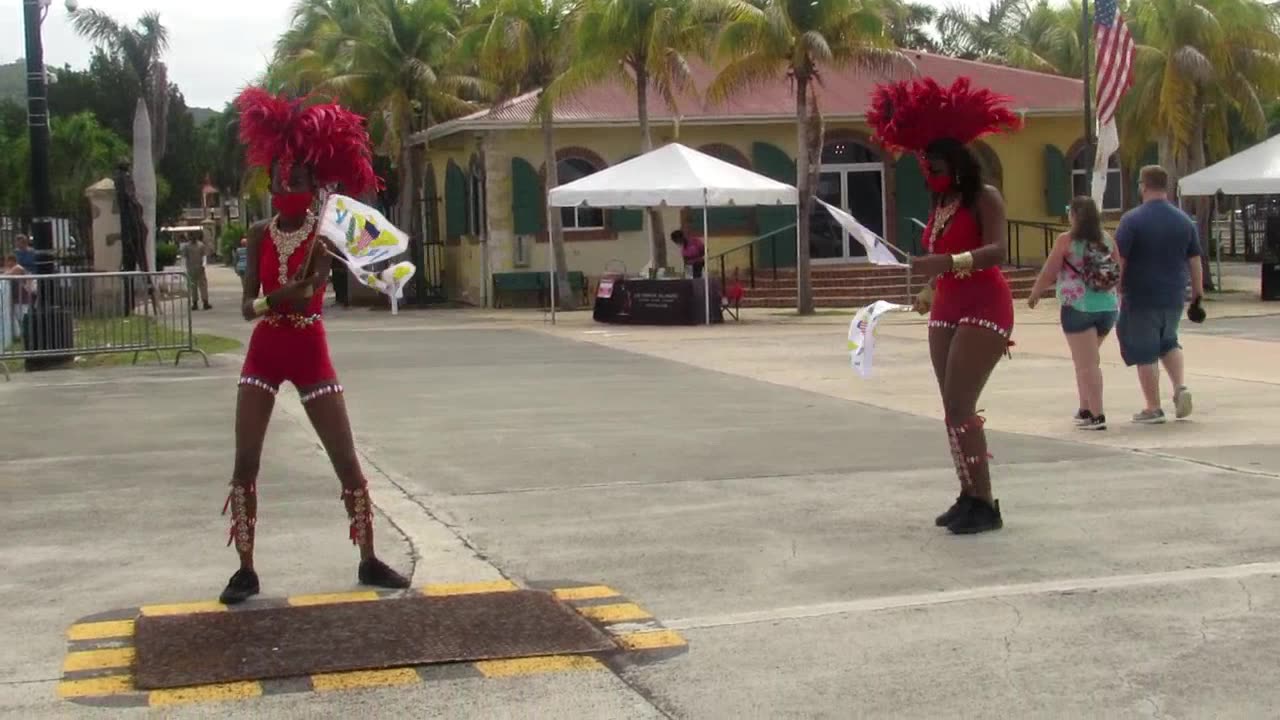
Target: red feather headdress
<point x="910" y="114"/>
<point x="325" y="137"/>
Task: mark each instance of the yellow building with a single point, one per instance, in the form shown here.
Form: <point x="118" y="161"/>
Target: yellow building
<point x="484" y="201"/>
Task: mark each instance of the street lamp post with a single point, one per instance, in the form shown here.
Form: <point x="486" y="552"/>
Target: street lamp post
<point x="38" y="125"/>
<point x="48" y="325"/>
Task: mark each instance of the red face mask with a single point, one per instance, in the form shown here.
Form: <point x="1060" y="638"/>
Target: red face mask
<point x="291" y="204"/>
<point x="938" y="183"/>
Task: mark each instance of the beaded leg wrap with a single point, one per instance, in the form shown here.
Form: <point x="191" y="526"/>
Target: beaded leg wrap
<point x="242" y="501"/>
<point x="968" y="449"/>
<point x="249" y="381"/>
<point x="330" y="389"/>
<point x="360" y="510"/>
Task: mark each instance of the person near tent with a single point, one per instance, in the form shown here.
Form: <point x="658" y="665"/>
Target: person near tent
<point x="693" y="250"/>
<point x="968" y="300"/>
<point x="305" y="147"/>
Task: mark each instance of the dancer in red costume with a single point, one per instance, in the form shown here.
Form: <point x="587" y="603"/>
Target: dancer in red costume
<point x="306" y="147"/>
<point x="968" y="300"/>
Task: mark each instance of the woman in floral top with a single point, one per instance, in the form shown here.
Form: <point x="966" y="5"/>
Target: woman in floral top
<point x="1087" y="315"/>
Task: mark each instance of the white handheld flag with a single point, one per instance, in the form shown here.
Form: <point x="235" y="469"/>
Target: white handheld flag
<point x="878" y="252"/>
<point x="364" y="237"/>
<point x="862" y="333"/>
<point x="362" y="233"/>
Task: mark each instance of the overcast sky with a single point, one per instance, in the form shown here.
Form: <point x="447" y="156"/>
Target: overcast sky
<point x="216" y="47"/>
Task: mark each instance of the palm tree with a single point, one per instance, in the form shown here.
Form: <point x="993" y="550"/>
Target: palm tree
<point x="139" y="48"/>
<point x="800" y="40"/>
<point x="908" y="23"/>
<point x="973" y="36"/>
<point x="391" y="60"/>
<point x="645" y="44"/>
<point x="1200" y="65"/>
<point x="523" y="45"/>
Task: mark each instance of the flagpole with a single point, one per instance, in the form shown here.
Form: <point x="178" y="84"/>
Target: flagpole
<point x="1086" y="30"/>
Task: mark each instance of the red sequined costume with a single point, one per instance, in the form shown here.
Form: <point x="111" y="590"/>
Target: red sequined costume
<point x="333" y="144"/>
<point x="981" y="297"/>
<point x="908" y="117"/>
<point x="289" y="346"/>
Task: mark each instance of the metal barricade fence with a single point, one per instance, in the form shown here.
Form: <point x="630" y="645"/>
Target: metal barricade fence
<point x="73" y="314"/>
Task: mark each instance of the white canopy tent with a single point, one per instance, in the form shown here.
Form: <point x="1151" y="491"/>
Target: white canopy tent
<point x="1255" y="171"/>
<point x="671" y="176"/>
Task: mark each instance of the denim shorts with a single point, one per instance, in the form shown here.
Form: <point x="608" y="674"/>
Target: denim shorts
<point x="1146" y="335"/>
<point x="1077" y="321"/>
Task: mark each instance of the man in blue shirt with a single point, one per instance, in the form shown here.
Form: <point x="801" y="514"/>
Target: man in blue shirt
<point x="1159" y="251"/>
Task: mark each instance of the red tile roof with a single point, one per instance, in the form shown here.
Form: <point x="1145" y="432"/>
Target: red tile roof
<point x="844" y="94"/>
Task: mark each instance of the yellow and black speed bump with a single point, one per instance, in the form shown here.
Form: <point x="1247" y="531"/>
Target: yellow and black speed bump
<point x="99" y="667"/>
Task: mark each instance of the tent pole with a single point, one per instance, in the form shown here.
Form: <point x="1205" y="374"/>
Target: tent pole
<point x="551" y="263"/>
<point x="706" y="271"/>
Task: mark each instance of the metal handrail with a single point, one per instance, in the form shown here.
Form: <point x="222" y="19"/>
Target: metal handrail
<point x="771" y="236"/>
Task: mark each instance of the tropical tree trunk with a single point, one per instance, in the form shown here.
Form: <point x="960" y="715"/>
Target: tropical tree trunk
<point x="653" y="219"/>
<point x="144" y="180"/>
<point x="1203" y="205"/>
<point x="554" y="230"/>
<point x="804" y="281"/>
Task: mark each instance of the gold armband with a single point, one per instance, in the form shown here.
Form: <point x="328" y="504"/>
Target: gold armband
<point x="962" y="263"/>
<point x="261" y="306"/>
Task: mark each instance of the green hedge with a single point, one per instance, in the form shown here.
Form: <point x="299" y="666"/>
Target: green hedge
<point x="166" y="255"/>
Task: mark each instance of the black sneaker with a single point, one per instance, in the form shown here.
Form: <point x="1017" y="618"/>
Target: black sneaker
<point x="1097" y="422"/>
<point x="952" y="512"/>
<point x="376" y="573"/>
<point x="242" y="586"/>
<point x="1082" y="415"/>
<point x="978" y="517"/>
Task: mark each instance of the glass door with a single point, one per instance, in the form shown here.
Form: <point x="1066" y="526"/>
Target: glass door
<point x="858" y="189"/>
<point x="826" y="237"/>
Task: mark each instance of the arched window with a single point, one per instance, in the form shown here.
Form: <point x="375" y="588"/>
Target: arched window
<point x="578" y="218"/>
<point x="992" y="171"/>
<point x="1082" y="171"/>
<point x="851" y="178"/>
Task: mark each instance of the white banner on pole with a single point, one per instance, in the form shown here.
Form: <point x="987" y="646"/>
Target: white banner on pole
<point x="1108" y="144"/>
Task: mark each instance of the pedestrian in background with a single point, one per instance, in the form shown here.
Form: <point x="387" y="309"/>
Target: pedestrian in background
<point x="1159" y="250"/>
<point x="1084" y="268"/>
<point x="193" y="254"/>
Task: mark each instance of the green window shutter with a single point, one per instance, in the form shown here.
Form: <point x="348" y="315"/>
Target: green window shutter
<point x="626" y="220"/>
<point x="529" y="215"/>
<point x="771" y="161"/>
<point x="913" y="202"/>
<point x="1150" y="157"/>
<point x="1057" y="182"/>
<point x="455" y="201"/>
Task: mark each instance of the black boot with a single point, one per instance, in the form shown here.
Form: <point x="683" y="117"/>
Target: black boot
<point x="978" y="517"/>
<point x="242" y="586"/>
<point x="376" y="573"/>
<point x="952" y="512"/>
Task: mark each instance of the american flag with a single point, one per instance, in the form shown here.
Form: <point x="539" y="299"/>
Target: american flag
<point x="1114" y="58"/>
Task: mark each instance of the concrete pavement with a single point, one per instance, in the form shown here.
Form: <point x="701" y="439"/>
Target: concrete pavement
<point x="739" y="482"/>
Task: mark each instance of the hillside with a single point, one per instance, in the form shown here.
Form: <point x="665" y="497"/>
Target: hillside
<point x="13" y="87"/>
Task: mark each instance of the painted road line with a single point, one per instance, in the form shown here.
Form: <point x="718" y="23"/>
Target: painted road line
<point x="537" y="665"/>
<point x="617" y="612"/>
<point x="328" y="682"/>
<point x="96" y="687"/>
<point x="472" y="588"/>
<point x="333" y="598"/>
<point x="101" y="630"/>
<point x="588" y="592"/>
<point x="98" y="659"/>
<point x="205" y="693"/>
<point x="652" y="640"/>
<point x="203" y="606"/>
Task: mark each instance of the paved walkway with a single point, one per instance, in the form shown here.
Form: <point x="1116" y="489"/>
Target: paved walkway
<point x="739" y="482"/>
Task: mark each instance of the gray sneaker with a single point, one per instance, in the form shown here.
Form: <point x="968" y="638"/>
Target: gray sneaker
<point x="1182" y="402"/>
<point x="1150" y="417"/>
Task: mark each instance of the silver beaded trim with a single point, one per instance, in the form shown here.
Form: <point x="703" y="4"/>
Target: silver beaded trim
<point x="321" y="392"/>
<point x="294" y="319"/>
<point x="980" y="322"/>
<point x="942" y="324"/>
<point x="260" y="384"/>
